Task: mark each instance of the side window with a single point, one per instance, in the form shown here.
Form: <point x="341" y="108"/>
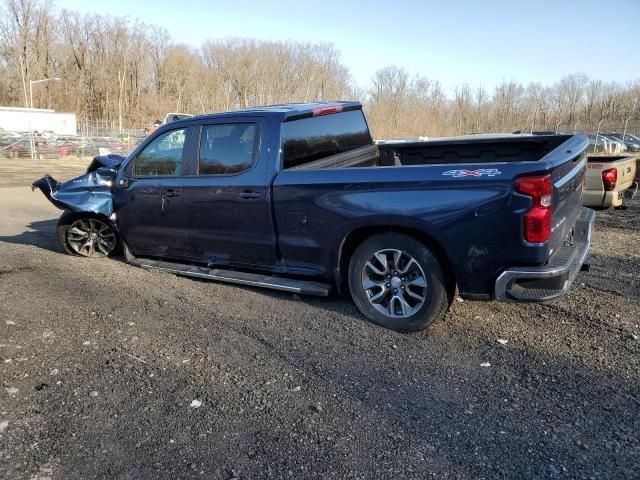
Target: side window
<point x="227" y="148"/>
<point x="163" y="156"/>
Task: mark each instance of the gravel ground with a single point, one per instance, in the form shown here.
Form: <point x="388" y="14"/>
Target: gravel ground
<point x="108" y="370"/>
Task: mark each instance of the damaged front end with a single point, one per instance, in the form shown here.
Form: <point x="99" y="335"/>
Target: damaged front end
<point x="90" y="192"/>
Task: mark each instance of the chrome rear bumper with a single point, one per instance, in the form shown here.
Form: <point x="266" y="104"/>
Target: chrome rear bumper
<point x="552" y="280"/>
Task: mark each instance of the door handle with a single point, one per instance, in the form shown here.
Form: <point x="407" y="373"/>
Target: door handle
<point x="165" y="195"/>
<point x="249" y="195"/>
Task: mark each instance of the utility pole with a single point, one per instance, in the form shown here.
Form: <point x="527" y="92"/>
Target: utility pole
<point x="31" y="84"/>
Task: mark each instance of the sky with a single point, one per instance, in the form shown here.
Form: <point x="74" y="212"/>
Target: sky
<point x="455" y="42"/>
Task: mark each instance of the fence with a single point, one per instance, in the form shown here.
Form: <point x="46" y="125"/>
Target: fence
<point x="631" y="127"/>
<point x="106" y="128"/>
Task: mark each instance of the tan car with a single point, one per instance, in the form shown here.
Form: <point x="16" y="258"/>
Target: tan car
<point x="610" y="181"/>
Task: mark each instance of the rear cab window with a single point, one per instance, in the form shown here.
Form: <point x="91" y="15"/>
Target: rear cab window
<point x="308" y="139"/>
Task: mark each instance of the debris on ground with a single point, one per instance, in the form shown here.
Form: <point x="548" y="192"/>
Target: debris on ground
<point x="519" y="418"/>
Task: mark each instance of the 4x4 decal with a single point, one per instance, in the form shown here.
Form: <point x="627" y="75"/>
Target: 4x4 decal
<point x="489" y="172"/>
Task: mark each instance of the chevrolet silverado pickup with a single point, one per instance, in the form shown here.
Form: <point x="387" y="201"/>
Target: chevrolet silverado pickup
<point x="298" y="198"/>
<point x="610" y="181"/>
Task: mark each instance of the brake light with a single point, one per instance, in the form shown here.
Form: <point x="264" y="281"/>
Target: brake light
<point x="537" y="221"/>
<point x="326" y="110"/>
<point x="609" y="179"/>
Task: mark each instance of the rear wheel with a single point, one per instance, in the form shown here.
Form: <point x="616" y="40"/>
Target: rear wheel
<point x="397" y="282"/>
<point x="87" y="235"/>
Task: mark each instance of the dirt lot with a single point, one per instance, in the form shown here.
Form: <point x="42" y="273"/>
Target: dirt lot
<point x="101" y="362"/>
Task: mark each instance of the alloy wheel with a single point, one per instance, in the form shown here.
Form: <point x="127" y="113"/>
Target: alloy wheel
<point x="394" y="283"/>
<point x="90" y="237"/>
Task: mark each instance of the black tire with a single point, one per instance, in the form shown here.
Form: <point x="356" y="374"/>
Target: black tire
<point x="68" y="219"/>
<point x="436" y="300"/>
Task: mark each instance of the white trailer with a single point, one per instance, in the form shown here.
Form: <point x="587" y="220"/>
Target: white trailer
<point x="37" y="120"/>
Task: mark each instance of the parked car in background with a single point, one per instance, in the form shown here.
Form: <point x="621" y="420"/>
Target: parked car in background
<point x="298" y="198"/>
<point x="20" y="149"/>
<point x="133" y="138"/>
<point x="109" y="144"/>
<point x="631" y="141"/>
<point x="172" y="117"/>
<point x="57" y="148"/>
<point x="7" y="137"/>
<point x="600" y="143"/>
<point x="615" y="145"/>
<point x="610" y="181"/>
<point x="596" y="143"/>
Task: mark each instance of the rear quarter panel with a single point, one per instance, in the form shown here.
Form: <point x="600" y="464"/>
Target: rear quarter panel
<point x="476" y="220"/>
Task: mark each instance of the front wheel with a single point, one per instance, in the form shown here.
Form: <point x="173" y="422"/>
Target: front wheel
<point x="397" y="282"/>
<point x="87" y="235"/>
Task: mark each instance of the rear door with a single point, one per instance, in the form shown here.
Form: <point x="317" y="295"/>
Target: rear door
<point x="148" y="196"/>
<point x="227" y="199"/>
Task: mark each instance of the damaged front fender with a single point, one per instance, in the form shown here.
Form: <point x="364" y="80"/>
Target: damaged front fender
<point x="91" y="192"/>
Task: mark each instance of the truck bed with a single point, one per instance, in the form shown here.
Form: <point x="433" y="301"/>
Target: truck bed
<point x="453" y="150"/>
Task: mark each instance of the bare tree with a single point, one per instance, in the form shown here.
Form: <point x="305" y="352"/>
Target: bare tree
<point x="129" y="74"/>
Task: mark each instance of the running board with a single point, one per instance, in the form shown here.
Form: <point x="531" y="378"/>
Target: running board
<point x="302" y="287"/>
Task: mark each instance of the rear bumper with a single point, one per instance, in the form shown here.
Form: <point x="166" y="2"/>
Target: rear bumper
<point x="615" y="198"/>
<point x="552" y="280"/>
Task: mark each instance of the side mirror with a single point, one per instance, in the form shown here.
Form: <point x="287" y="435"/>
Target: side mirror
<point x="106" y="172"/>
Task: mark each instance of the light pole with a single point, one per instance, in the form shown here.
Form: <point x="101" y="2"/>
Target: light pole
<point x="33" y="82"/>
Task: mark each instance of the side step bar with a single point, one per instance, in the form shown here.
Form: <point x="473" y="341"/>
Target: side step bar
<point x="302" y="287"/>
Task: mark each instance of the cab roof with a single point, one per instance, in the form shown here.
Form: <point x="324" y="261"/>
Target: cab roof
<point x="284" y="112"/>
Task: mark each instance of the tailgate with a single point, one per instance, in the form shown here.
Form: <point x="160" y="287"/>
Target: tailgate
<point x="626" y="173"/>
<point x="568" y="182"/>
<point x="625" y="166"/>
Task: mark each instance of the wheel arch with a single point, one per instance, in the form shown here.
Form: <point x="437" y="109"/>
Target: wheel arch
<point x="354" y="238"/>
<point x="72" y="215"/>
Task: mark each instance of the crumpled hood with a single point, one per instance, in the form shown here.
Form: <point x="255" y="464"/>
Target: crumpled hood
<point x="110" y="161"/>
<point x="90" y="192"/>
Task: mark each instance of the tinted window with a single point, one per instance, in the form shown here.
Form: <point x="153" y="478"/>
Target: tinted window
<point x="313" y="138"/>
<point x="163" y="156"/>
<point x="227" y="148"/>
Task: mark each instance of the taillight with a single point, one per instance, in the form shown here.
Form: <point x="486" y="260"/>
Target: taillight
<point x="326" y="110"/>
<point x="609" y="179"/>
<point x="537" y="221"/>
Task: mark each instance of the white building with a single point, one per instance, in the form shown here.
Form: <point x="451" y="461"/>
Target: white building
<point x="39" y="120"/>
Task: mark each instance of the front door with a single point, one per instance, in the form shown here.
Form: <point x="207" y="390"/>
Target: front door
<point x="148" y="200"/>
<point x="227" y="198"/>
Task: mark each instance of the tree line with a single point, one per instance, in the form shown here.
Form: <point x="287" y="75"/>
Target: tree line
<point x="400" y="104"/>
<point x="127" y="72"/>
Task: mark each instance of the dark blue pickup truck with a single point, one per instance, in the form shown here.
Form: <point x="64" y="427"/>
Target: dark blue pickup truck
<point x="299" y="198"/>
